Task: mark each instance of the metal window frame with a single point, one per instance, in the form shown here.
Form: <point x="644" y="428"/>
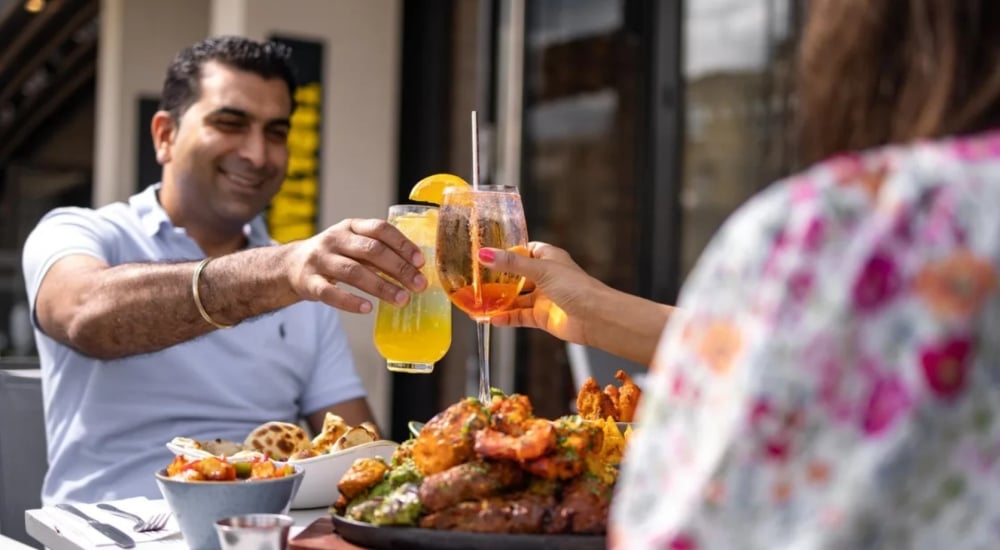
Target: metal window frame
<point x="661" y="159"/>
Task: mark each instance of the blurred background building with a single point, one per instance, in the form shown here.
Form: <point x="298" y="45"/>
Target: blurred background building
<point x="633" y="128"/>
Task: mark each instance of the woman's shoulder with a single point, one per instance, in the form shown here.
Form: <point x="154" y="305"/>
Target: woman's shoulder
<point x="884" y="182"/>
<point x="909" y="203"/>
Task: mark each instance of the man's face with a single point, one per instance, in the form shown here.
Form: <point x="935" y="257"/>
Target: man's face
<point x="229" y="152"/>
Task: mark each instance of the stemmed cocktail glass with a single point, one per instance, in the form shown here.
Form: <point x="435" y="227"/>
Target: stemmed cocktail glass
<point x="488" y="216"/>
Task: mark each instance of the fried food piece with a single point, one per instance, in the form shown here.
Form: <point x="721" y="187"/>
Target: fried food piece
<point x="613" y="445"/>
<point x="611" y="391"/>
<point x="628" y="399"/>
<point x="558" y="466"/>
<point x="508" y="413"/>
<point x="584" y="506"/>
<point x="517" y="513"/>
<point x="215" y="469"/>
<point x="363" y="474"/>
<point x="449" y="437"/>
<point x="468" y="481"/>
<point x="578" y="439"/>
<point x="333" y="427"/>
<point x="536" y="437"/>
<point x="514" y="432"/>
<point x="593" y="404"/>
<point x="267" y="469"/>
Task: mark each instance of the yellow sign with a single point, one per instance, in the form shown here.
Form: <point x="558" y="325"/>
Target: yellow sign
<point x="293" y="212"/>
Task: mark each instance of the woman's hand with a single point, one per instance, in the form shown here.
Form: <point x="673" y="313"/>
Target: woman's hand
<point x="559" y="292"/>
<point x="566" y="302"/>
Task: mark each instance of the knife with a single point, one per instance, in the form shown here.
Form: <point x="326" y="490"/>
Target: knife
<point x="108" y="530"/>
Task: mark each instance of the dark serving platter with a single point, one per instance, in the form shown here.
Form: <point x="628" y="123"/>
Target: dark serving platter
<point x="386" y="538"/>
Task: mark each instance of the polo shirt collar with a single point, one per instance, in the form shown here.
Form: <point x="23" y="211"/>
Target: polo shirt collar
<point x="154" y="218"/>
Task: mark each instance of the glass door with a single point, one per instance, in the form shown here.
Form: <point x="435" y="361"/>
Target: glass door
<point x="581" y="129"/>
<point x="635" y="127"/>
<point x="737" y="69"/>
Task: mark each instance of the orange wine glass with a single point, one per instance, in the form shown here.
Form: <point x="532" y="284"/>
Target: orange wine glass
<point x="490" y="216"/>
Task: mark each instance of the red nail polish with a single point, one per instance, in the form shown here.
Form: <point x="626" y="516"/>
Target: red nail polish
<point x="487" y="255"/>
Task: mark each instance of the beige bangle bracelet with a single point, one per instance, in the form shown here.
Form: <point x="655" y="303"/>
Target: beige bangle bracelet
<point x="197" y="295"/>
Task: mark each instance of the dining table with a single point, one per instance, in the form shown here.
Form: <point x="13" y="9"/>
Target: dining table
<point x="57" y="531"/>
<point x="8" y="543"/>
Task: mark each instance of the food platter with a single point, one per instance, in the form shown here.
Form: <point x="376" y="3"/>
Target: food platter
<point x="414" y="427"/>
<point x="385" y="538"/>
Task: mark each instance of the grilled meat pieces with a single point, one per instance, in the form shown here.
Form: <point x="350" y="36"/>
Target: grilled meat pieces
<point x="448" y="439"/>
<point x="521" y="513"/>
<point x="468" y="481"/>
<point x="584" y="506"/>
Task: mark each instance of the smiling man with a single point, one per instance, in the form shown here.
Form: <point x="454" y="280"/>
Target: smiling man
<point x="149" y="315"/>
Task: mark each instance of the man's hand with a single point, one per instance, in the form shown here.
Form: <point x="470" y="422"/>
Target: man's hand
<point x="354" y="252"/>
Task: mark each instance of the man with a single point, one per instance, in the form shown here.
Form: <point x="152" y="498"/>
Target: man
<point x="133" y="303"/>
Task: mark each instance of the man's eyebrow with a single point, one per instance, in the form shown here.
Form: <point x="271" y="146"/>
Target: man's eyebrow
<point x="229" y="111"/>
<point x="233" y="111"/>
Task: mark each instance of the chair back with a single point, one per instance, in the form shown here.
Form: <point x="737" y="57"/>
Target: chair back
<point x="23" y="460"/>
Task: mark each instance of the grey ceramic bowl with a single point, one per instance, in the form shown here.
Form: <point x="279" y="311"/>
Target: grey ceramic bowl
<point x="197" y="505"/>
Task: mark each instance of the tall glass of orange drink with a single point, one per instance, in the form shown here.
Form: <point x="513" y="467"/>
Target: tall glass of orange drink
<point x="470" y="219"/>
<point x="414" y="337"/>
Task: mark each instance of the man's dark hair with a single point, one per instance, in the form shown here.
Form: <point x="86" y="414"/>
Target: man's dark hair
<point x="182" y="87"/>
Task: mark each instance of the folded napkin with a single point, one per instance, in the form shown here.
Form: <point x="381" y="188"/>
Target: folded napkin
<point x="77" y="530"/>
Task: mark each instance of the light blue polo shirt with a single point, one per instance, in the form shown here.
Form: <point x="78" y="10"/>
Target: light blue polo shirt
<point x="107" y="421"/>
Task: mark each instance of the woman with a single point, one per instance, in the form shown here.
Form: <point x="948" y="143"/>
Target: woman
<point x="832" y="377"/>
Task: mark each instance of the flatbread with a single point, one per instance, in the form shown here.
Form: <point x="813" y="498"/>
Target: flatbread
<point x="333" y="427"/>
<point x="279" y="440"/>
<point x="353" y="437"/>
<point x="217" y="447"/>
<point x="222" y="447"/>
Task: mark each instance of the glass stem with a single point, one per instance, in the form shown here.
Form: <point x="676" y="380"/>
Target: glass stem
<point x="483" y="335"/>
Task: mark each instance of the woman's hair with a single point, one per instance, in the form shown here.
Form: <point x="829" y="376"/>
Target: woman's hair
<point x="873" y="72"/>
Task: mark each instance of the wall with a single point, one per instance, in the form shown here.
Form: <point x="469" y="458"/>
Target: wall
<point x="137" y="41"/>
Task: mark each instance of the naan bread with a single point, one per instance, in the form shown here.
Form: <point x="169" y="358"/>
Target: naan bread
<point x="355" y="436"/>
<point x="333" y="427"/>
<point x="279" y="440"/>
<point x="217" y="447"/>
<point x="222" y="447"/>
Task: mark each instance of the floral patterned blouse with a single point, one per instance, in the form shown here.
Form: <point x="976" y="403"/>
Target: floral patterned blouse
<point x="833" y="379"/>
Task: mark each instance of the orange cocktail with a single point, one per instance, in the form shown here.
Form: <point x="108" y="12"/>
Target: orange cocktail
<point x="471" y="219"/>
<point x="414" y="337"/>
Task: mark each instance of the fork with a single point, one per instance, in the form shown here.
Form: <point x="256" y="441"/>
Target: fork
<point x="155" y="523"/>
